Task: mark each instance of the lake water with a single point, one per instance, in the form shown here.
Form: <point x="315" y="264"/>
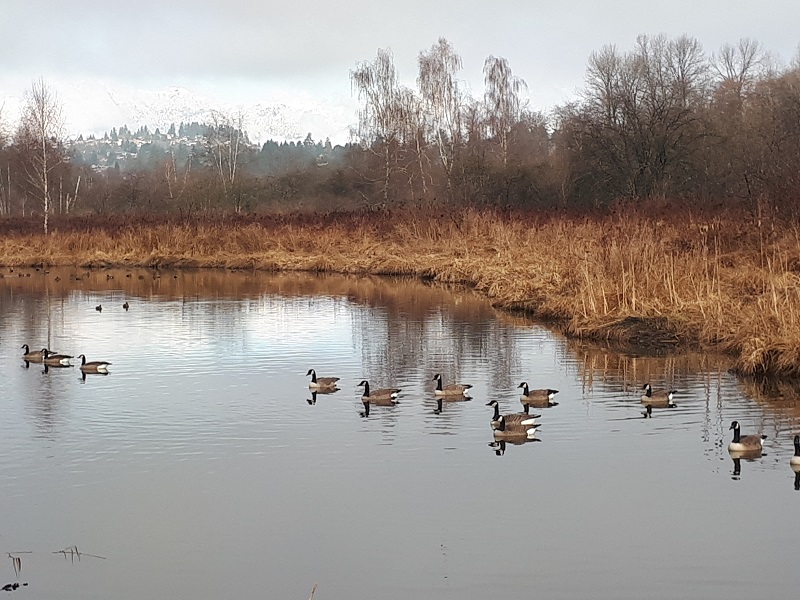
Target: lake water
<point x="199" y="469"/>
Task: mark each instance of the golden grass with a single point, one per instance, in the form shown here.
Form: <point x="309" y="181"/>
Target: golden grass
<point x="728" y="283"/>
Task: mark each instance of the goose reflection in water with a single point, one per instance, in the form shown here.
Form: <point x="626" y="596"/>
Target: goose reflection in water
<point x="47" y="367"/>
<point x="737" y="457"/>
<point x="84" y="374"/>
<point x="499" y="446"/>
<point x="314" y="393"/>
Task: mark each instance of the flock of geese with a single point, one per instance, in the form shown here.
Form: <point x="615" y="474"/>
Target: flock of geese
<point x="510" y="427"/>
<point x="522" y="426"/>
<point x="49" y="358"/>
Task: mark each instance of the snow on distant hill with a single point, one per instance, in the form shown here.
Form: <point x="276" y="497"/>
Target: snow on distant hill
<point x="94" y="108"/>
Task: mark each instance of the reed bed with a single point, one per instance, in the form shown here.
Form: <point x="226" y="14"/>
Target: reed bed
<point x="726" y="282"/>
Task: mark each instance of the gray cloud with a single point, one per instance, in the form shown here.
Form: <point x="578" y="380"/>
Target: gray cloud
<point x="251" y="46"/>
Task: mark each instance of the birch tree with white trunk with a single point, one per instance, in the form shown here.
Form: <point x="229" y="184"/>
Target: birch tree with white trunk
<point x="41" y="127"/>
<point x="443" y="101"/>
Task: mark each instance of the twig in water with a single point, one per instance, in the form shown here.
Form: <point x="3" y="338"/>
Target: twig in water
<point x="312" y="592"/>
<point x="73" y="552"/>
<point x="17" y="561"/>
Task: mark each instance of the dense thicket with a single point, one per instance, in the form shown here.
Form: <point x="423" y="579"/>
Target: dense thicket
<point x="664" y="120"/>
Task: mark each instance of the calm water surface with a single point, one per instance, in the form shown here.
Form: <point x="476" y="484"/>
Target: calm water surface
<point x="199" y="468"/>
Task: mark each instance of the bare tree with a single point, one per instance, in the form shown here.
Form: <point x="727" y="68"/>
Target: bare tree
<point x="502" y="100"/>
<point x="443" y="101"/>
<point x="640" y="118"/>
<point x="5" y="183"/>
<point x="42" y="128"/>
<point x="225" y="141"/>
<point x="740" y="66"/>
<point x="387" y="110"/>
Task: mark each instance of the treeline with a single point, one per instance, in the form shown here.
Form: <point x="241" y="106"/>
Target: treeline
<point x="662" y="120"/>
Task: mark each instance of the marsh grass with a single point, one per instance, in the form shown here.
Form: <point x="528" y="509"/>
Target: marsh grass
<point x="727" y="282"/>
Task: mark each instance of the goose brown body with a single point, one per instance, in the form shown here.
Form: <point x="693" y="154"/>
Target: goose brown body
<point x="505" y="431"/>
<point x="95" y="366"/>
<point x="54" y="359"/>
<point x="536" y="398"/>
<point x="658" y="398"/>
<point x="511" y="420"/>
<point x="795" y="460"/>
<point x="744" y="443"/>
<point x="381" y="396"/>
<point x="452" y="391"/>
<point x="35" y="356"/>
<point x="321" y="382"/>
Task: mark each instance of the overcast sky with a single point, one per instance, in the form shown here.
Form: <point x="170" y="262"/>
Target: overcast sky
<point x="258" y="50"/>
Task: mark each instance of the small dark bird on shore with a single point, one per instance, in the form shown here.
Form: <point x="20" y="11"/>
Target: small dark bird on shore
<point x="99" y="308"/>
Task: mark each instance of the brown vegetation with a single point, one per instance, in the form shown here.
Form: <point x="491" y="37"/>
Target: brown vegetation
<point x="727" y="282"/>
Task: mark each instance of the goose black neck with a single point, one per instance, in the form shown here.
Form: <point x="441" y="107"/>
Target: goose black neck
<point x="366" y="389"/>
<point x="796" y="446"/>
<point x="648" y="391"/>
<point x="736" y="434"/>
<point x="525" y="391"/>
<point x="497" y="414"/>
<point x="313" y="376"/>
<point x="439" y="384"/>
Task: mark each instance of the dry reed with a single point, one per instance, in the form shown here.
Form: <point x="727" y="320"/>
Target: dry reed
<point x="728" y="282"/>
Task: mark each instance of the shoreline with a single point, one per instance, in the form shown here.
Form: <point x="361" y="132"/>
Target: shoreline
<point x="718" y="283"/>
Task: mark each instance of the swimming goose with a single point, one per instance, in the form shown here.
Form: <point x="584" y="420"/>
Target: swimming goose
<point x="53" y="359"/>
<point x="512" y="420"/>
<point x="321" y="382"/>
<point x="96" y="366"/>
<point x="795" y="460"/>
<point x="505" y="431"/>
<point x="454" y="389"/>
<point x="99" y="308"/>
<point x="382" y="397"/>
<point x="126" y="306"/>
<point x="35" y="356"/>
<point x="536" y="398"/>
<point x="658" y="399"/>
<point x="744" y="443"/>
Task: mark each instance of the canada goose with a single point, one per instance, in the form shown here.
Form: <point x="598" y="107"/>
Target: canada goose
<point x="536" y="398"/>
<point x="35" y="356"/>
<point x="321" y="382"/>
<point x="744" y="443"/>
<point x="454" y="389"/>
<point x="126" y="306"/>
<point x="659" y="398"/>
<point x="795" y="460"/>
<point x="647" y="413"/>
<point x="99" y="308"/>
<point x="505" y="431"/>
<point x="53" y="359"/>
<point x="96" y="366"/>
<point x="513" y="420"/>
<point x="381" y="397"/>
